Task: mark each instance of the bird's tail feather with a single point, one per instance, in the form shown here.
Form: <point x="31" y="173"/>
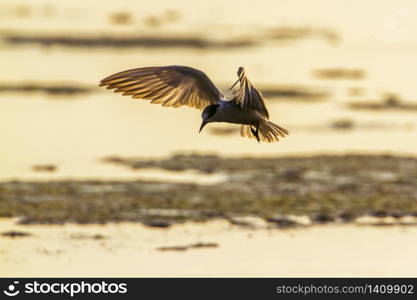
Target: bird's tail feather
<point x="268" y="131"/>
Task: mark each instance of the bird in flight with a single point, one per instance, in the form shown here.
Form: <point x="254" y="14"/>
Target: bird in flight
<point x="180" y="85"/>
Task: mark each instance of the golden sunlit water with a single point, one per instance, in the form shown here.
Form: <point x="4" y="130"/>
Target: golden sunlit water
<point x="74" y="132"/>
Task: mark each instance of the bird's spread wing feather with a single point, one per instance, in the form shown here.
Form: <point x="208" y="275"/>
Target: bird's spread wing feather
<point x="247" y="96"/>
<point x="170" y="86"/>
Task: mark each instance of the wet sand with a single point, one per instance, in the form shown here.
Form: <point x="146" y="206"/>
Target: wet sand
<point x="129" y="249"/>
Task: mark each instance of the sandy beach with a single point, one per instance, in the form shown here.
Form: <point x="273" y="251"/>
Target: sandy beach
<point x="130" y="250"/>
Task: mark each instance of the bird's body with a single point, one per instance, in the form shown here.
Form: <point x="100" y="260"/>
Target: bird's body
<point x="230" y="112"/>
<point x="179" y="85"/>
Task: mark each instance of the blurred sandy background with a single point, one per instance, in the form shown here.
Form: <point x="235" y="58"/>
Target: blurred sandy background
<point x="340" y="75"/>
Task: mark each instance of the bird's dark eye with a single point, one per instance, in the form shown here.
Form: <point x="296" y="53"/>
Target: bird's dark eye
<point x="211" y="110"/>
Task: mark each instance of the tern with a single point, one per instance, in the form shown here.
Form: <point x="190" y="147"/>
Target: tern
<point x="185" y="86"/>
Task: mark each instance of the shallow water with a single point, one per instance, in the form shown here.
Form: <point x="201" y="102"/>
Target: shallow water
<point x="75" y="132"/>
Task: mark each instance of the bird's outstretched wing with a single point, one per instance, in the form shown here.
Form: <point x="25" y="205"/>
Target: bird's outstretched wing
<point x="170" y="86"/>
<point x="247" y="96"/>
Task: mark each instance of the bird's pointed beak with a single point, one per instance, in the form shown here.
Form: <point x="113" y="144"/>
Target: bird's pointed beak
<point x="204" y="123"/>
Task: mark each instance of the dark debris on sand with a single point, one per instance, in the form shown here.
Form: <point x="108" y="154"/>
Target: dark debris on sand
<point x="51" y="89"/>
<point x="301" y="93"/>
<point x="199" y="245"/>
<point x="340" y="73"/>
<point x="388" y="102"/>
<point x="111" y="41"/>
<point x="15" y="234"/>
<point x="44" y="168"/>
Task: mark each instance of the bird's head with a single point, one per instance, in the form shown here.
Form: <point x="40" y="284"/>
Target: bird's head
<point x="240" y="71"/>
<point x="208" y="114"/>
